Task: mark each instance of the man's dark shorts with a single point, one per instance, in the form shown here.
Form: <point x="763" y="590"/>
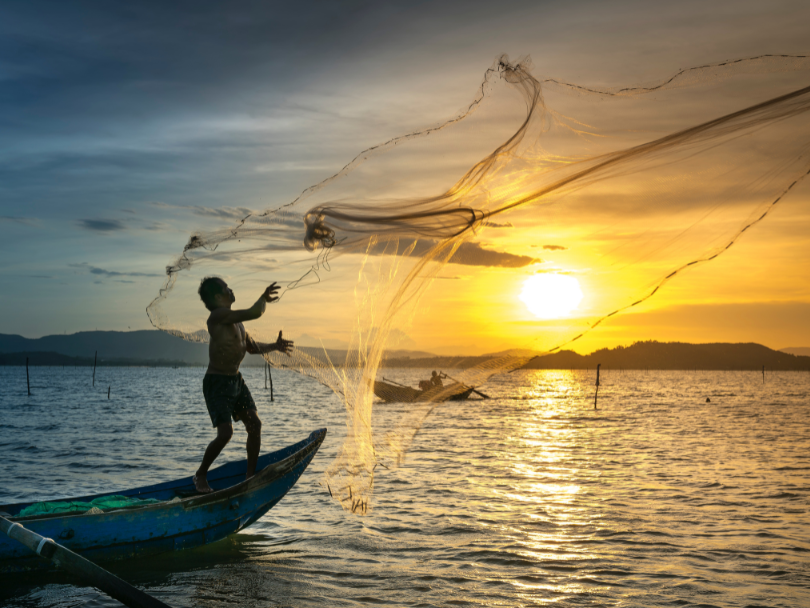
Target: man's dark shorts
<point x="226" y="397"/>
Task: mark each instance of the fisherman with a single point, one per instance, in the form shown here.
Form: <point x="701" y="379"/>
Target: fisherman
<point x="226" y="394"/>
<point x="435" y="381"/>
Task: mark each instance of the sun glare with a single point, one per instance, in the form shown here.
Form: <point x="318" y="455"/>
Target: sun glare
<point x="551" y="296"/>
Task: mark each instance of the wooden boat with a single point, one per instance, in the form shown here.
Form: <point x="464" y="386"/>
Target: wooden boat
<point x="183" y="520"/>
<point x="393" y="393"/>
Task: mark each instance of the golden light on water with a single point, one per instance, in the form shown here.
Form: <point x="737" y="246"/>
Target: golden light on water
<point x="551" y="296"/>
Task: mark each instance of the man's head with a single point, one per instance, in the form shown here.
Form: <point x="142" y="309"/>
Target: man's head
<point x="434" y="372"/>
<point x="215" y="293"/>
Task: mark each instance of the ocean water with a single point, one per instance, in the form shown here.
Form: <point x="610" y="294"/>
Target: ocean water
<point x="531" y="498"/>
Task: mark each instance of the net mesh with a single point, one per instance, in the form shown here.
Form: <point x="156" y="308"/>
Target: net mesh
<point x="95" y="506"/>
<point x="622" y="188"/>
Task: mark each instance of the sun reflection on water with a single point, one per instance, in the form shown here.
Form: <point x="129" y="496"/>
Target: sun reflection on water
<point x="545" y="466"/>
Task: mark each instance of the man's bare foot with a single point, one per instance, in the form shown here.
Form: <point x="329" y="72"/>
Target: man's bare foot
<point x="201" y="484"/>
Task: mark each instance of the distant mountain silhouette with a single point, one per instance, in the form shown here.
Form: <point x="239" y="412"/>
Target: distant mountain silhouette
<point x="514" y="352"/>
<point x="802" y="351"/>
<point x="676" y="355"/>
<point x="143" y="347"/>
<point x="153" y="347"/>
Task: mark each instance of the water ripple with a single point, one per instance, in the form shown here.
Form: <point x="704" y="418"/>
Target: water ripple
<point x="532" y="497"/>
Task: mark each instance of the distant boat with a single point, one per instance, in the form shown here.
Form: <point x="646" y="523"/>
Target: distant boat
<point x="183" y="520"/>
<point x="397" y="393"/>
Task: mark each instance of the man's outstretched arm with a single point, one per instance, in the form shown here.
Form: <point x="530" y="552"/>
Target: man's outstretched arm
<point x="225" y="316"/>
<point x="257" y="348"/>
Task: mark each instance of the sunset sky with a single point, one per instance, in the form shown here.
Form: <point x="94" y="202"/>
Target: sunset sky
<point x="128" y="127"/>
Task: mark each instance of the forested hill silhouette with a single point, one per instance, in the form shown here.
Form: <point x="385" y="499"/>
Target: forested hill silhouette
<point x="676" y="355"/>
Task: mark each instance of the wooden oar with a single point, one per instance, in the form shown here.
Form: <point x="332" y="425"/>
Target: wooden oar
<point x="75" y="564"/>
<point x="473" y="390"/>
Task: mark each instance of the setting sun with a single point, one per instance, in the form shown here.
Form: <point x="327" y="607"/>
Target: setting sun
<point x="551" y="296"/>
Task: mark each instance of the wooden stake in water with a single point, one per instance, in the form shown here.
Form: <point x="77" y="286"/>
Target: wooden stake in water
<point x="269" y="375"/>
<point x="27" y="377"/>
<point x="95" y="360"/>
<point x="108" y="391"/>
<point x="266" y="365"/>
<point x="596" y="395"/>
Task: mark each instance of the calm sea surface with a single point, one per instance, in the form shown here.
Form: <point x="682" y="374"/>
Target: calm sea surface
<point x="528" y="499"/>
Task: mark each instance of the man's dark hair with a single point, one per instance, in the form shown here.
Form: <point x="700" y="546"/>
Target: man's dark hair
<point x="210" y="287"/>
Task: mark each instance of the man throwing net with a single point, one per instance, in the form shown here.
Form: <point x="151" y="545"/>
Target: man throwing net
<point x="226" y="394"/>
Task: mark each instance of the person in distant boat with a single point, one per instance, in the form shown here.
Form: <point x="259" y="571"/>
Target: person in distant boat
<point x="434" y="382"/>
<point x="226" y="394"/>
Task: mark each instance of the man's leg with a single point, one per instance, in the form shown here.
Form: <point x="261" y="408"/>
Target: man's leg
<point x="224" y="434"/>
<point x="253" y="426"/>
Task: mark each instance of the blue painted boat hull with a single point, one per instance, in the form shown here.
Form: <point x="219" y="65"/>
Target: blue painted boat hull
<point x="183" y="520"/>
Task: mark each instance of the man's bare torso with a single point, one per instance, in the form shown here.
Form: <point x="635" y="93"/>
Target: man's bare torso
<point x="227" y="348"/>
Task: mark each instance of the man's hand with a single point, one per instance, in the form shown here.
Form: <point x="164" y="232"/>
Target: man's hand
<point x="269" y="294"/>
<point x="282" y="345"/>
<point x="257" y="348"/>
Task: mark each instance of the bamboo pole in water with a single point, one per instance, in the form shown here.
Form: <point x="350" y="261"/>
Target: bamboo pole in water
<point x="81" y="567"/>
<point x="269" y="375"/>
<point x="596" y="394"/>
<point x="27" y="377"/>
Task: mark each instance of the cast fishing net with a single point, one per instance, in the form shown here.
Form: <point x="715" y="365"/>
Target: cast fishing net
<point x="622" y="188"/>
